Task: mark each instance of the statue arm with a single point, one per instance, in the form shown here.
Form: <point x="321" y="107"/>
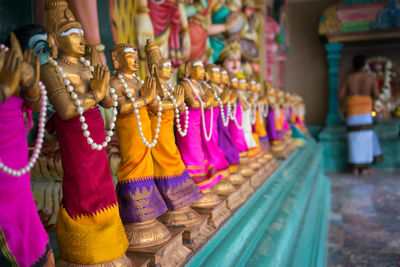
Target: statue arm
<point x="60" y="98"/>
<point x="190" y="98"/>
<point x="225" y="96"/>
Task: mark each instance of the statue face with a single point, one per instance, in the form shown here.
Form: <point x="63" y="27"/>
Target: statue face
<point x="252" y="86"/>
<point x="258" y="87"/>
<point x="224" y="78"/>
<point x="38" y="44"/>
<point x="243" y="86"/>
<point x="165" y="72"/>
<point x="128" y="61"/>
<point x="72" y="42"/>
<point x="232" y="64"/>
<point x="197" y="73"/>
<point x="215" y="77"/>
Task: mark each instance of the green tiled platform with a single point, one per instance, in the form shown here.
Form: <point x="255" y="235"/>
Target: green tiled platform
<point x="284" y="223"/>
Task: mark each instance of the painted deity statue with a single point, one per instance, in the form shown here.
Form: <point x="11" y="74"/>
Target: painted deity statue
<point x="225" y="141"/>
<point x="199" y="15"/>
<point x="273" y="135"/>
<point x="213" y="152"/>
<point x="171" y="32"/>
<point x="191" y="147"/>
<point x="89" y="228"/>
<point x="24" y="239"/>
<point x="254" y="150"/>
<point x="236" y="128"/>
<point x="139" y="198"/>
<point x="170" y="175"/>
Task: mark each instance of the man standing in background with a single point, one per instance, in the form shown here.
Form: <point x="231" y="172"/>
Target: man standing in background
<point x="358" y="89"/>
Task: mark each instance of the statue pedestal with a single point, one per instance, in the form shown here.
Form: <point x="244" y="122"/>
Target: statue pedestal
<point x="171" y="253"/>
<point x="235" y="199"/>
<point x="279" y="152"/>
<point x="257" y="179"/>
<point x="217" y="214"/>
<point x="194" y="237"/>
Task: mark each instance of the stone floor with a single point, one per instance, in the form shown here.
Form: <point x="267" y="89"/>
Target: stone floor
<point x="365" y="219"/>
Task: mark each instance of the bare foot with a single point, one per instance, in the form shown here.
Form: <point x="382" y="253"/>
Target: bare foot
<point x="365" y="171"/>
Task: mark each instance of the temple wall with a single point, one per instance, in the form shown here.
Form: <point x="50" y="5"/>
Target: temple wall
<point x="306" y="67"/>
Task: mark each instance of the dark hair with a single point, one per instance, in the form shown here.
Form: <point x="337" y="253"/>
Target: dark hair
<point x="25" y="32"/>
<point x="358" y="62"/>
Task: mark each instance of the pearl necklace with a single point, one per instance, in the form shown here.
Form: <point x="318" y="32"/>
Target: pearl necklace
<point x="177" y="119"/>
<point x="264" y="109"/>
<point x="39" y="139"/>
<point x="233" y="117"/>
<point x="136" y="111"/>
<point x="225" y="120"/>
<point x="207" y="136"/>
<point x="78" y="104"/>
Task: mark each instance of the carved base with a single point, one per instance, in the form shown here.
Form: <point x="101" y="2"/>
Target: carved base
<point x="235" y="199"/>
<point x="262" y="160"/>
<point x="256" y="180"/>
<point x="246" y="190"/>
<point x="254" y="164"/>
<point x="146" y="234"/>
<point x="217" y="214"/>
<point x="224" y="187"/>
<point x="182" y="218"/>
<point x="170" y="254"/>
<point x="209" y="200"/>
<point x="195" y="237"/>
<point x="123" y="261"/>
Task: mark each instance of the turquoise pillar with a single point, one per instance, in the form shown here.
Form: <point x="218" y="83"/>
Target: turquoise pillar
<point x="333" y="55"/>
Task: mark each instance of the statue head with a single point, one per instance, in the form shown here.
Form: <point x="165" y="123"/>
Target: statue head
<point x="124" y="58"/>
<point x="252" y="85"/>
<point x="234" y="82"/>
<point x="243" y="85"/>
<point x="33" y="37"/>
<point x="194" y="69"/>
<point x="224" y="76"/>
<point x="230" y="58"/>
<point x="65" y="34"/>
<point x="156" y="63"/>
<point x="258" y="87"/>
<point x="213" y="73"/>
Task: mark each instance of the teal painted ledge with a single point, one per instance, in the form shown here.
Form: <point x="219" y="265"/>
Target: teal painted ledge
<point x="334" y="141"/>
<point x="284" y="223"/>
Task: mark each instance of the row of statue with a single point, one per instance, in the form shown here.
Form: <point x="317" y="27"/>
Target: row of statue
<point x="183" y="148"/>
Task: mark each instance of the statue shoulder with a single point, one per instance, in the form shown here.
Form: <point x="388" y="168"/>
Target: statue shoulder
<point x="49" y="76"/>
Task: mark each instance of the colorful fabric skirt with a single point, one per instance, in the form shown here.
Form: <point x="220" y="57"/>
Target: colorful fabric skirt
<point x="237" y="134"/>
<point x="273" y="135"/>
<point x="227" y="145"/>
<point x="172" y="180"/>
<point x="360" y="132"/>
<point x="23" y="240"/>
<point x="212" y="151"/>
<point x="252" y="144"/>
<point x="138" y="196"/>
<point x="192" y="153"/>
<point x="89" y="229"/>
<point x="260" y="130"/>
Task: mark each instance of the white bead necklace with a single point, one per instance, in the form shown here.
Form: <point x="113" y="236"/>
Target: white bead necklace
<point x="70" y="88"/>
<point x="177" y="119"/>
<point x="225" y="120"/>
<point x="136" y="111"/>
<point x="233" y="117"/>
<point x="39" y="138"/>
<point x="207" y="136"/>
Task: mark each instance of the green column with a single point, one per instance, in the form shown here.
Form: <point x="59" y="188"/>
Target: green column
<point x="333" y="55"/>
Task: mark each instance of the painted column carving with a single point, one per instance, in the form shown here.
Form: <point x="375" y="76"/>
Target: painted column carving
<point x="333" y="55"/>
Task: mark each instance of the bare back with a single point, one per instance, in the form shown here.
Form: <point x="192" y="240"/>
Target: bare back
<point x="359" y="83"/>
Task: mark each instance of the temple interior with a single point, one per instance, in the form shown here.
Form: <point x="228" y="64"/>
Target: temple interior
<point x="199" y="133"/>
